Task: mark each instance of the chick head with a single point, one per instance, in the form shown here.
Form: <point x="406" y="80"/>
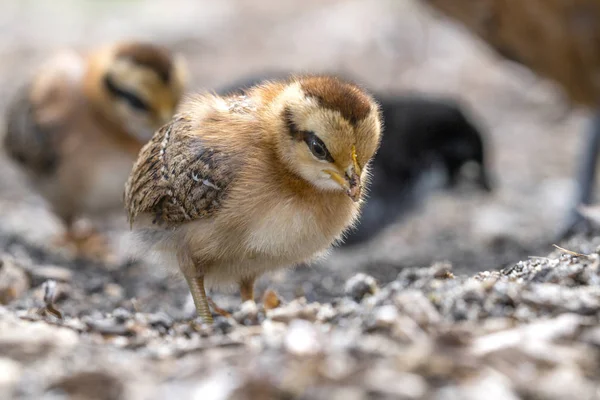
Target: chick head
<point x="330" y="131"/>
<point x="143" y="84"/>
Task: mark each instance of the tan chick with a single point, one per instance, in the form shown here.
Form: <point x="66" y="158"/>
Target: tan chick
<point x="237" y="186"/>
<point x="77" y="126"/>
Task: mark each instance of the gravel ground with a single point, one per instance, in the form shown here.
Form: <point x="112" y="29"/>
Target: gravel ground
<point x="528" y="331"/>
<point x="424" y="322"/>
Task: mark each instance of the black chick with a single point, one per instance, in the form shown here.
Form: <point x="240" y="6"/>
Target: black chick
<point x="421" y="136"/>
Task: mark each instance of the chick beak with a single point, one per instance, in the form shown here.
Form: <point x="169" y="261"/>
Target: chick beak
<point x="353" y="178"/>
<point x="351" y="181"/>
<point x="355" y="188"/>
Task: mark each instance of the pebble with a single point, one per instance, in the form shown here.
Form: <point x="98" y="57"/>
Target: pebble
<point x="109" y="326"/>
<point x="425" y="335"/>
<point x="297" y="309"/>
<point x="10" y="374"/>
<point x="121" y="314"/>
<point x="160" y="321"/>
<point x="417" y="306"/>
<point x="271" y="300"/>
<point x="14" y="282"/>
<point x="42" y="273"/>
<point x="359" y="286"/>
<point x="247" y="313"/>
<point x="302" y="338"/>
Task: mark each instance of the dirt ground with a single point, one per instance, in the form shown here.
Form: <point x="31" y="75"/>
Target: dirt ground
<point x="390" y="46"/>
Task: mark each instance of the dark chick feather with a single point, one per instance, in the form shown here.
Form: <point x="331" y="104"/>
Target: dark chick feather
<point x="423" y="131"/>
<point x="177" y="178"/>
<point x="28" y="141"/>
<point x="421" y="136"/>
<point x="336" y="95"/>
<point x="150" y="56"/>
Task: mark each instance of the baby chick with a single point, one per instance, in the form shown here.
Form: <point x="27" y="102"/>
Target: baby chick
<point x="79" y="123"/>
<point x="423" y="135"/>
<point x="237" y="186"/>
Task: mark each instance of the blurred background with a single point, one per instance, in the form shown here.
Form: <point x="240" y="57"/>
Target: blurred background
<point x="391" y="47"/>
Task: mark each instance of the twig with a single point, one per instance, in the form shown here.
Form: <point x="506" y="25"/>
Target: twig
<point x="573" y="253"/>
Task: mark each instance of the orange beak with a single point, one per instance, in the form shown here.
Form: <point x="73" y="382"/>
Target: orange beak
<point x="351" y="181"/>
<point x="353" y="178"/>
<point x="355" y="188"/>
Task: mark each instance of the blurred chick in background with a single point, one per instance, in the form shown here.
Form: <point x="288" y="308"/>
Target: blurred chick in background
<point x="77" y="126"/>
<point x="236" y="186"/>
<point x="422" y="137"/>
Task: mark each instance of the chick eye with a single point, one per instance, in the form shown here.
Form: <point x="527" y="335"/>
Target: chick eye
<point x="135" y="101"/>
<point x="131" y="98"/>
<point x="317" y="147"/>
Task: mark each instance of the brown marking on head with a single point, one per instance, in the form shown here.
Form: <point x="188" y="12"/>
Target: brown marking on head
<point x="293" y="130"/>
<point x="331" y="93"/>
<point x="154" y="57"/>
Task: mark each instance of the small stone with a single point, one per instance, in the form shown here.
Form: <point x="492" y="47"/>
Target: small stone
<point x="442" y="270"/>
<point x="386" y="316"/>
<point x="13" y="281"/>
<point x="302" y="338"/>
<point x="338" y="366"/>
<point x="40" y="274"/>
<point x="271" y="300"/>
<point x="90" y="385"/>
<point x="359" y="286"/>
<point x="488" y="385"/>
<point x="296" y="309"/>
<point x="417" y="306"/>
<point x="273" y="333"/>
<point x="326" y="313"/>
<point x="160" y="321"/>
<point x="109" y="326"/>
<point x="223" y="325"/>
<point x="27" y="341"/>
<point x="121" y="314"/>
<point x="384" y="380"/>
<point x="114" y="290"/>
<point x="75" y="324"/>
<point x="565" y="382"/>
<point x="247" y="314"/>
<point x="10" y="373"/>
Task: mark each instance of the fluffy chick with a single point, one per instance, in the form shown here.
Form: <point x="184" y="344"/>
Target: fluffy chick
<point x="423" y="136"/>
<point x="237" y="186"/>
<point x="77" y="126"/>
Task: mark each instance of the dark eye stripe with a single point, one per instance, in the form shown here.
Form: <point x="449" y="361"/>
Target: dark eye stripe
<point x="311" y="139"/>
<point x="126" y="95"/>
<point x="306" y="136"/>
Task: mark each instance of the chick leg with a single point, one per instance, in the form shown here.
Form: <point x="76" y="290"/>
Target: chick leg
<point x="196" y="285"/>
<point x="586" y="176"/>
<point x="247" y="289"/>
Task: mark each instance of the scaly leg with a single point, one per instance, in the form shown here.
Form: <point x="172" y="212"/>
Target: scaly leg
<point x="247" y="289"/>
<point x="196" y="285"/>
